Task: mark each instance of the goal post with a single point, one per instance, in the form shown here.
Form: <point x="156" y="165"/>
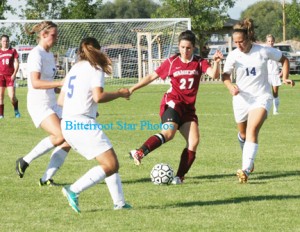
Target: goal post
<point x="135" y="46"/>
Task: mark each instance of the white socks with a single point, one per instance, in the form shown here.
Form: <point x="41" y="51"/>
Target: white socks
<point x="57" y="159"/>
<point x="94" y="176"/>
<point x="114" y="185"/>
<point x="89" y="179"/>
<point x="275" y="105"/>
<point x="40" y="149"/>
<point x="249" y="154"/>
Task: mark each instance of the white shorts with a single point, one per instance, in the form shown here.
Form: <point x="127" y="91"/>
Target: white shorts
<point x="242" y="105"/>
<point x="40" y="112"/>
<point x="274" y="79"/>
<point x="86" y="141"/>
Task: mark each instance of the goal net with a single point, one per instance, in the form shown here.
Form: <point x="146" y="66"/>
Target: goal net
<point x="135" y="46"/>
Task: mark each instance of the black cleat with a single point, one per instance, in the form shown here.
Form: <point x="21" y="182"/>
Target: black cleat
<point x="21" y="166"/>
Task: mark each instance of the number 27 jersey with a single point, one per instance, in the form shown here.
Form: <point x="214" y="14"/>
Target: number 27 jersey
<point x="185" y="77"/>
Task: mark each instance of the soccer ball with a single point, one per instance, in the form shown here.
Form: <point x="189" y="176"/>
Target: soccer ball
<point x="162" y="174"/>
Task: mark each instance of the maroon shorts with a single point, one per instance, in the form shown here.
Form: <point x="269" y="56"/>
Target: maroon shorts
<point x="6" y="81"/>
<point x="187" y="113"/>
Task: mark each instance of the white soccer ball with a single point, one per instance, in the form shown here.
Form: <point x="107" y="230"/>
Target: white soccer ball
<point x="162" y="174"/>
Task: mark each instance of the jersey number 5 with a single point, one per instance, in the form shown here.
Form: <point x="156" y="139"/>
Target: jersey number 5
<point x="186" y="83"/>
<point x="71" y="86"/>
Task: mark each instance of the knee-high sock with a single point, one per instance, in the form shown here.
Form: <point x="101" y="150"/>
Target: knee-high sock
<point x="40" y="149"/>
<point x="249" y="154"/>
<point x="152" y="143"/>
<point x="89" y="179"/>
<point x="114" y="185"/>
<point x="276" y="104"/>
<point x="57" y="159"/>
<point x="2" y="110"/>
<point x="186" y="161"/>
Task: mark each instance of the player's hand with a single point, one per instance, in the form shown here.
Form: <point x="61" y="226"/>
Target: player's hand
<point x="124" y="92"/>
<point x="234" y="90"/>
<point x="218" y="56"/>
<point x="289" y="82"/>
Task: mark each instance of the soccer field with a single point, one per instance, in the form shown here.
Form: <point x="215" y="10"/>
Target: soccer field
<point x="211" y="199"/>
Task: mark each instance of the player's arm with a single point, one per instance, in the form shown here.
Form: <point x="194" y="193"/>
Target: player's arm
<point x="37" y="83"/>
<point x="100" y="96"/>
<point x="233" y="89"/>
<point x="145" y="81"/>
<point x="214" y="71"/>
<point x="16" y="68"/>
<point x="286" y="70"/>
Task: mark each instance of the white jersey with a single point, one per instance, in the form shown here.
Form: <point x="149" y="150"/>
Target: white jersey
<point x="78" y="86"/>
<point x="274" y="73"/>
<point x="39" y="60"/>
<point x="252" y="69"/>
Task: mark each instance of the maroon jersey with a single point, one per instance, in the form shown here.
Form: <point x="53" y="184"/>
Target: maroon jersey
<point x="7" y="59"/>
<point x="185" y="78"/>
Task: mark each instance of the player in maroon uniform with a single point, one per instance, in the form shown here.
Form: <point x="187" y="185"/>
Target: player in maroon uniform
<point x="9" y="65"/>
<point x="177" y="109"/>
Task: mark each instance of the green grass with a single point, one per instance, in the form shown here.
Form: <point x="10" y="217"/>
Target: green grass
<point x="211" y="199"/>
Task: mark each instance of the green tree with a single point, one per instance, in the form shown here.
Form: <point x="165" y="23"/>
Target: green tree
<point x="293" y="13"/>
<point x="43" y="9"/>
<point x="267" y="16"/>
<point x="206" y="16"/>
<point x="4" y="7"/>
<point x="81" y="9"/>
<point x="127" y="9"/>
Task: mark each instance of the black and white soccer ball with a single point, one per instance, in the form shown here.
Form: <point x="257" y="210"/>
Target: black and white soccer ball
<point x="162" y="174"/>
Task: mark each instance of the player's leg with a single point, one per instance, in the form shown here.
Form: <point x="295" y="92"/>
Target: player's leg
<point x="2" y="91"/>
<point x="191" y="134"/>
<point x="170" y="122"/>
<point x="256" y="119"/>
<point x="108" y="166"/>
<point x="51" y="124"/>
<point x="11" y="91"/>
<point x="242" y="133"/>
<point x="57" y="159"/>
<point x="276" y="100"/>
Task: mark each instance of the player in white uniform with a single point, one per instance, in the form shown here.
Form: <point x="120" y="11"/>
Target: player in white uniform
<point x="82" y="91"/>
<point x="41" y="103"/>
<point x="274" y="75"/>
<point x="252" y="97"/>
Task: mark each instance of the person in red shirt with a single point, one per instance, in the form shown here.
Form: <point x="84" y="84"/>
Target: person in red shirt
<point x="9" y="65"/>
<point x="177" y="109"/>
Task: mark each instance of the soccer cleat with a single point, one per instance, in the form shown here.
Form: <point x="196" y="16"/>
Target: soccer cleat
<point x="126" y="206"/>
<point x="17" y="114"/>
<point x="21" y="166"/>
<point x="72" y="198"/>
<point x="1" y="116"/>
<point x="177" y="180"/>
<point x="49" y="182"/>
<point x="242" y="175"/>
<point x="275" y="113"/>
<point x="137" y="156"/>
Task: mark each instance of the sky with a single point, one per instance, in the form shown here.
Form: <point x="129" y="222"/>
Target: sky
<point x="234" y="13"/>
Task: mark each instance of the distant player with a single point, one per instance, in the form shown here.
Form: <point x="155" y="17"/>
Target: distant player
<point x="252" y="97"/>
<point x="177" y="108"/>
<point x="82" y="91"/>
<point x="9" y="66"/>
<point x="274" y="75"/>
